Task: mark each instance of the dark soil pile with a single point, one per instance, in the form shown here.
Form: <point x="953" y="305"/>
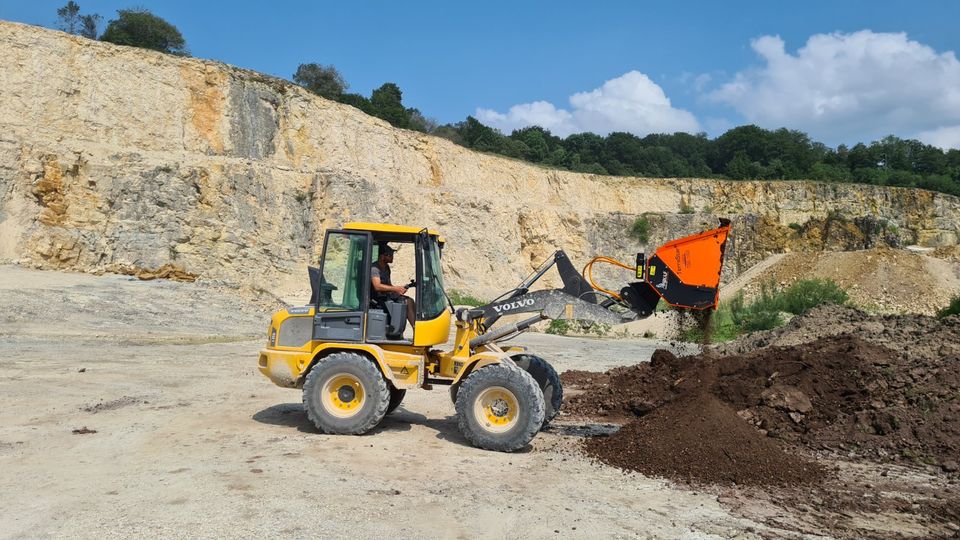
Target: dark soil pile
<point x="698" y="438"/>
<point x="918" y="337"/>
<point x="846" y="394"/>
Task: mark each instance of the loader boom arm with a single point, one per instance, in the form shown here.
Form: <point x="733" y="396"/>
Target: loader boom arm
<point x="685" y="273"/>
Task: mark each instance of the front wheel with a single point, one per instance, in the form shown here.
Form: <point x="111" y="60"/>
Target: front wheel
<point x="499" y="407"/>
<point x="345" y="394"/>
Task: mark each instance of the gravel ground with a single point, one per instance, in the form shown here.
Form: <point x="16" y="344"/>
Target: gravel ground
<point x="189" y="440"/>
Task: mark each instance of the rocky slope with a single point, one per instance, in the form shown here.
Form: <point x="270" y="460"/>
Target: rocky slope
<point x="121" y="159"/>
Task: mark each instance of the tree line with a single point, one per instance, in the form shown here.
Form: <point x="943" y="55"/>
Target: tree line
<point x="742" y="153"/>
<point x="136" y="27"/>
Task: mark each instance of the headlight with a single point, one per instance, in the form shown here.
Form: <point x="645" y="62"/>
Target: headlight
<point x="273" y="336"/>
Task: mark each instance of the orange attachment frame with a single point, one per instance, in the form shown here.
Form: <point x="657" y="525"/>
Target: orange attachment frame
<point x="691" y="278"/>
<point x="696" y="259"/>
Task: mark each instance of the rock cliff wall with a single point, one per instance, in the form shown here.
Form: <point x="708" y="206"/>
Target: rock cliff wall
<point x="121" y="159"/>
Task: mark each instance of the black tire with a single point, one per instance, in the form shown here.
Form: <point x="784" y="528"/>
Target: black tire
<point x="512" y="397"/>
<point x="548" y="380"/>
<point x="396" y="397"/>
<point x="454" y="389"/>
<point x="362" y="389"/>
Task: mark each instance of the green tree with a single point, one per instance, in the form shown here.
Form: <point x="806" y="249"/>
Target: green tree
<point x="140" y="28"/>
<point x="741" y="168"/>
<point x="451" y="133"/>
<point x="89" y="25"/>
<point x="322" y="80"/>
<point x="71" y="21"/>
<point x="358" y="101"/>
<point x="589" y="146"/>
<point x="535" y="139"/>
<point x="419" y="122"/>
<point x="387" y="103"/>
<point x="480" y="137"/>
<point x="68" y="17"/>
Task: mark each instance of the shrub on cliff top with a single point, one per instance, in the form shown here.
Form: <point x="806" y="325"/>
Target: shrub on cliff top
<point x="140" y="28"/>
<point x="71" y="21"/>
<point x="322" y="80"/>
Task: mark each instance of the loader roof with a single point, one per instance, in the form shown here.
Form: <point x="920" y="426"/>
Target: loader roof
<point x="387" y="228"/>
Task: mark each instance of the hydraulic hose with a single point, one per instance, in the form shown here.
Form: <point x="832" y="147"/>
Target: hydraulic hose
<point x="588" y="274"/>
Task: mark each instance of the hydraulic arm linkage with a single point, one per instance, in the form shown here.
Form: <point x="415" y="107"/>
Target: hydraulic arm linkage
<point x="685" y="273"/>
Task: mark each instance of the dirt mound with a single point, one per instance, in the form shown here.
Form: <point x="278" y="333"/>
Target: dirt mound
<point x="838" y="393"/>
<point x="884" y="280"/>
<point x="699" y="438"/>
<point x="920" y="338"/>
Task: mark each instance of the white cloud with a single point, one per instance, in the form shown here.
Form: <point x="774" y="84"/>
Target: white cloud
<point x="946" y="137"/>
<point x="850" y="87"/>
<point x="631" y="103"/>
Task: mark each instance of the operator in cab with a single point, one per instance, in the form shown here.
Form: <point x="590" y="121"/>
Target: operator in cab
<point x="382" y="286"/>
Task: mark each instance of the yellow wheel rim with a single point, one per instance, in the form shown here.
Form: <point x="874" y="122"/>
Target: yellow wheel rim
<point x="342" y="395"/>
<point x="496" y="409"/>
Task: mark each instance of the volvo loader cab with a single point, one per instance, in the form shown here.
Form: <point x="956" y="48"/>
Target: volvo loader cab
<point x="347" y="307"/>
<point x="351" y="354"/>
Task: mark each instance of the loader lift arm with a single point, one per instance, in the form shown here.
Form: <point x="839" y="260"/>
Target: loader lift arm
<point x="684" y="272"/>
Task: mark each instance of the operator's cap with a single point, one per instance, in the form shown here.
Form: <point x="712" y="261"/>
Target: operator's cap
<point x="385" y="249"/>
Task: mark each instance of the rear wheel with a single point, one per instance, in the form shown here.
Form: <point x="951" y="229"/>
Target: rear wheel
<point x="346" y="394"/>
<point x="499" y="407"/>
<point x="548" y="381"/>
<point x="396" y="397"/>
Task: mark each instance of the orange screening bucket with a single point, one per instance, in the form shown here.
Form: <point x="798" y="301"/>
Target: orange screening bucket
<point x="686" y="272"/>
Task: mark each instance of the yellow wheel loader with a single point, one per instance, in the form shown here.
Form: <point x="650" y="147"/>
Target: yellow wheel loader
<point x="351" y="354"/>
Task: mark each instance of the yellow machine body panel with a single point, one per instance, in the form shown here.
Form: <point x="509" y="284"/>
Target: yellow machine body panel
<point x="404" y="365"/>
<point x="432" y="332"/>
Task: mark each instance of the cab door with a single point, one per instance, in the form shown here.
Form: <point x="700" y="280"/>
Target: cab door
<point x="433" y="315"/>
<point x="344" y="297"/>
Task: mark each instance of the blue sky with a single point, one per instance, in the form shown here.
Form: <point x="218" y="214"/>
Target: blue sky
<point x="843" y="71"/>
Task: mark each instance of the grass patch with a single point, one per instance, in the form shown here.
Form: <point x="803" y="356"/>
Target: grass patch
<point x="952" y="309"/>
<point x="558" y="327"/>
<point x="463" y="299"/>
<point x="562" y="327"/>
<point x="808" y="293"/>
<point x="766" y="311"/>
<point x="641" y="229"/>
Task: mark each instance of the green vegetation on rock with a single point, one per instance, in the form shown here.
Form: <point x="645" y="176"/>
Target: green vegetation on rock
<point x="140" y="28"/>
<point x="952" y="309"/>
<point x="322" y="80"/>
<point x="558" y="327"/>
<point x="460" y="298"/>
<point x="641" y="229"/>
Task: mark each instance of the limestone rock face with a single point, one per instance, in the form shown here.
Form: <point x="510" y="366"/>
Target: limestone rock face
<point x="121" y="159"/>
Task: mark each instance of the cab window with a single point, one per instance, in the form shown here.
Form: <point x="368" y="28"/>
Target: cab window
<point x="344" y="272"/>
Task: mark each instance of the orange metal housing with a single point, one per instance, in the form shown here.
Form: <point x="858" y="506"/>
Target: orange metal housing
<point x="696" y="259"/>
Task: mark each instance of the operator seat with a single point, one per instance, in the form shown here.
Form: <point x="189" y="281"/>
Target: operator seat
<point x="396" y="318"/>
<point x="396" y="315"/>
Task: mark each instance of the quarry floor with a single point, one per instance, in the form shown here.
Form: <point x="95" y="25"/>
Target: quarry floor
<point x="187" y="439"/>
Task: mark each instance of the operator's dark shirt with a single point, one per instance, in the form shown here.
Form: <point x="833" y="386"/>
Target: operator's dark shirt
<point x="384" y="275"/>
